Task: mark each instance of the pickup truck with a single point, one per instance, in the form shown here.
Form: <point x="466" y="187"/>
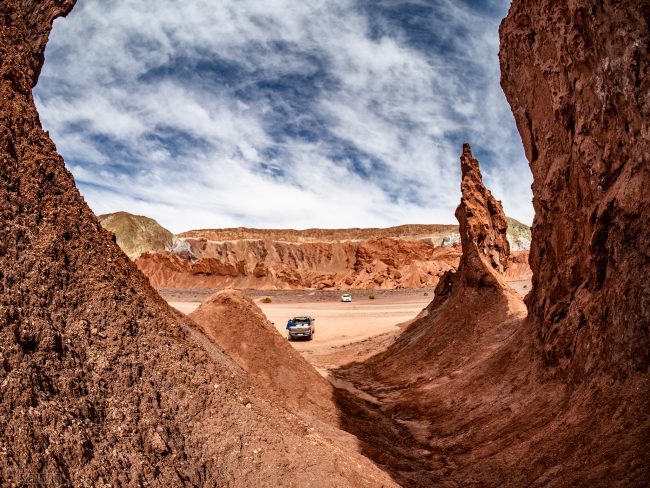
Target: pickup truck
<point x="301" y="327"/>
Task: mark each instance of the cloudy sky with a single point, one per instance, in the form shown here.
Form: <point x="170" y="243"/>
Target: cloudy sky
<point x="281" y="113"/>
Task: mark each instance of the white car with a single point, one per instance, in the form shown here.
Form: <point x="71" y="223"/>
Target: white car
<point x="346" y="297"/>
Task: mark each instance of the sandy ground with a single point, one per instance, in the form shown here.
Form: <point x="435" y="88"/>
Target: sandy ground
<point x="338" y="324"/>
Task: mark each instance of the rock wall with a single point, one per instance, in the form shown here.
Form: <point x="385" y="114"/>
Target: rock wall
<point x="560" y="397"/>
<point x="467" y="384"/>
<point x="407" y="256"/>
<point x="575" y="75"/>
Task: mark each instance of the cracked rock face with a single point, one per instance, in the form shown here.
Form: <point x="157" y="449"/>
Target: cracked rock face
<point x="483" y="227"/>
<point x="575" y="75"/>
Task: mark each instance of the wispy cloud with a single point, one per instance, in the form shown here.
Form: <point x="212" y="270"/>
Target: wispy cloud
<point x="276" y="113"/>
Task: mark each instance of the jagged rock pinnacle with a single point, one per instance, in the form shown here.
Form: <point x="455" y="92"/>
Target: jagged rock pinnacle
<point x="483" y="226"/>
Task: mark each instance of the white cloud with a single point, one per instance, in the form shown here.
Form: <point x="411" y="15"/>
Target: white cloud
<point x="147" y="128"/>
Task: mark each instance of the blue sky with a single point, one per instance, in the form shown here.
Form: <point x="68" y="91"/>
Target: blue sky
<point x="281" y="114"/>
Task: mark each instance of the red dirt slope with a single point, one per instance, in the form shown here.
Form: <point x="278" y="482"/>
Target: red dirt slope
<point x="234" y="322"/>
<point x="103" y="384"/>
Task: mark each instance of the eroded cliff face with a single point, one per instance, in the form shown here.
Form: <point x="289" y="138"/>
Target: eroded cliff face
<point x="575" y="75"/>
<point x="102" y="384"/>
<point x="407" y="256"/>
<point x="266" y="264"/>
<point x="466" y="384"/>
<point x="472" y="304"/>
<point x="468" y="375"/>
<point x="439" y="376"/>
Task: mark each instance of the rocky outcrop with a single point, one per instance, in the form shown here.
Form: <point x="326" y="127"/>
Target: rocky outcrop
<point x="472" y="314"/>
<point x="575" y="75"/>
<point x="265" y="264"/>
<point x="483" y="228"/>
<point x="471" y="302"/>
<point x="136" y="234"/>
<point x="102" y="383"/>
<point x="408" y="256"/>
<point x="466" y="384"/>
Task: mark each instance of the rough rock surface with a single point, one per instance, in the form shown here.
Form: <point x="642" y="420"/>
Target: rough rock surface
<point x="483" y="227"/>
<point x="101" y="383"/>
<point x="137" y="234"/>
<point x="471" y="303"/>
<point x="466" y="389"/>
<point x="473" y="311"/>
<point x="575" y="75"/>
<point x="265" y="264"/>
<point x="408" y="256"/>
<point x="268" y="264"/>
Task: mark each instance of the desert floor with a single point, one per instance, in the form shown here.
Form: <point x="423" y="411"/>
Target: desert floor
<point x="344" y="331"/>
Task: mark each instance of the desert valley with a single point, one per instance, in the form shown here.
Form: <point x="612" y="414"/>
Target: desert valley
<point x="483" y="353"/>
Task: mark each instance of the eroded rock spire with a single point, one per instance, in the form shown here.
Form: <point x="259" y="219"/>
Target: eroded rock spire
<point x="483" y="227"/>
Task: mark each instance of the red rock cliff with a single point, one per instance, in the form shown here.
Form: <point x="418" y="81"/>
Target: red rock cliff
<point x="575" y="75"/>
<point x="266" y="264"/>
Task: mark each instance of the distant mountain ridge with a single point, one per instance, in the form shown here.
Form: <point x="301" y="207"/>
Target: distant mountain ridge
<point x="136" y="234"/>
<point x="405" y="256"/>
<point x="406" y="232"/>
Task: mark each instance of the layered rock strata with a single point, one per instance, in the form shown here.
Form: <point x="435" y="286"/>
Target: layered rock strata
<point x="265" y="264"/>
